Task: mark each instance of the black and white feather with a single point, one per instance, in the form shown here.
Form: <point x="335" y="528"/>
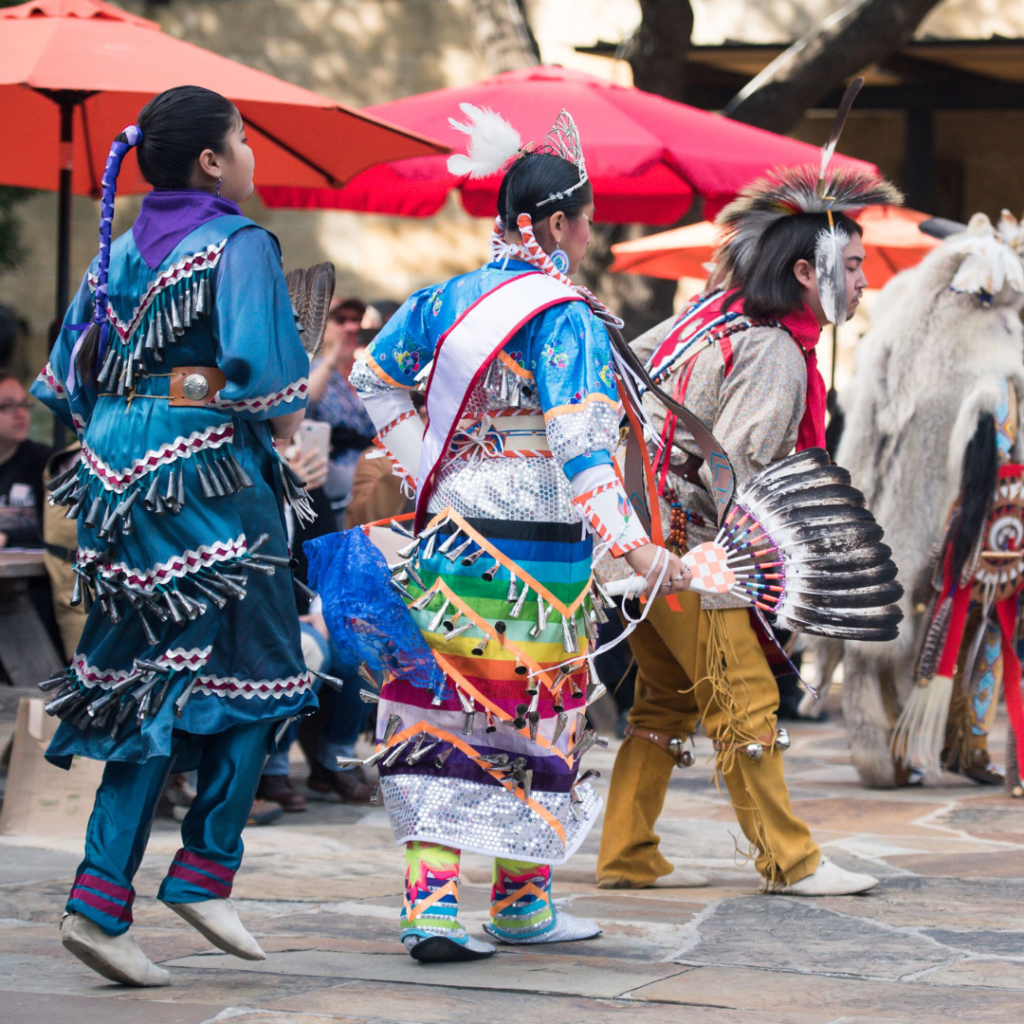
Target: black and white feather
<point x="805" y="548"/>
<point x="830" y="270"/>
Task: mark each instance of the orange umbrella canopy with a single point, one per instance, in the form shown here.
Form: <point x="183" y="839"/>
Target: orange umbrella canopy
<point x="99" y="65"/>
<point x="891" y="238"/>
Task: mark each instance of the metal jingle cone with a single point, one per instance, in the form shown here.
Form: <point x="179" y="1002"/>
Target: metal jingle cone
<point x="422" y="601"/>
<point x="216" y="484"/>
<point x="513" y="592"/>
<point x="415" y="576"/>
<point x="160" y="694"/>
<point x="560" y="723"/>
<point x="534" y="702"/>
<point x="601" y="741"/>
<point x="172" y="608"/>
<point x="394" y="721"/>
<point x="542" y="613"/>
<point x="332" y="681"/>
<point x="435" y="622"/>
<point x="366" y="675"/>
<point x="124" y="709"/>
<point x="395" y="754"/>
<point x="349" y="762"/>
<point x="402" y="529"/>
<point x="204" y="480"/>
<point x="401" y="590"/>
<point x="441" y="758"/>
<point x="593" y="634"/>
<point x="456" y="553"/>
<point x="445" y="546"/>
<point x="590" y="773"/>
<point x="147" y="627"/>
<point x="62" y="480"/>
<point x="262" y="568"/>
<point x="501" y="629"/>
<point x="243" y="476"/>
<point x="451" y="634"/>
<point x="369" y="697"/>
<point x="409" y="550"/>
<point x="93" y="515"/>
<point x="420" y="740"/>
<point x="520" y="669"/>
<point x="428" y="548"/>
<point x="217" y="470"/>
<point x="276" y="560"/>
<point x="569" y="643"/>
<point x="171" y="493"/>
<point x="61" y="699"/>
<point x="524" y="781"/>
<point x="123" y="509"/>
<point x="421" y="753"/>
<point x="582" y="744"/>
<point x="575" y="686"/>
<point x="377" y="796"/>
<point x="179" y="704"/>
<point x="534" y="719"/>
<point x="495" y="760"/>
<point x="193" y="609"/>
<point x="517" y="608"/>
<point x="53" y="682"/>
<point x="149" y="502"/>
<point x="491" y="727"/>
<point x="59" y="495"/>
<point x="465" y="701"/>
<point x="599" y="613"/>
<point x="217" y="598"/>
<point x="230" y="467"/>
<point x="480" y="648"/>
<point x="519" y="722"/>
<point x="76" y="590"/>
<point x="492" y="570"/>
<point x="473" y="558"/>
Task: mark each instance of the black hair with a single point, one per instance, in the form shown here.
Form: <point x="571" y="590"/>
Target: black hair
<point x="771" y="290"/>
<point x="535" y="177"/>
<point x="176" y="127"/>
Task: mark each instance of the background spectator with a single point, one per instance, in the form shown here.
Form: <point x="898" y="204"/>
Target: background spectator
<point x="333" y="400"/>
<point x="21" y="469"/>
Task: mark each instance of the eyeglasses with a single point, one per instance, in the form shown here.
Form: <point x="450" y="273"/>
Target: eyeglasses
<point x="9" y="407"/>
<point x="347" y="319"/>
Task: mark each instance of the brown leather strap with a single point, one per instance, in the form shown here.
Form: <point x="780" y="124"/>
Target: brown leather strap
<point x="689" y="470"/>
<point x="195" y="385"/>
<point x="670" y="744"/>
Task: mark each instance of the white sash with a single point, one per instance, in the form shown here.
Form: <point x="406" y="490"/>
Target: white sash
<point x="463" y="355"/>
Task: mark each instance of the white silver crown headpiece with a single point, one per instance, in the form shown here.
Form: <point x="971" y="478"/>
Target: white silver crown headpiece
<point x="564" y="140"/>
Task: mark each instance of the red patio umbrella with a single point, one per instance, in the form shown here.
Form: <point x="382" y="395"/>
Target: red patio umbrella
<point x="646" y="156"/>
<point x="891" y="238"/>
<point x="73" y="73"/>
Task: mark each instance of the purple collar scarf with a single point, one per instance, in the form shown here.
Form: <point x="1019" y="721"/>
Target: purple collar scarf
<point x="168" y="215"/>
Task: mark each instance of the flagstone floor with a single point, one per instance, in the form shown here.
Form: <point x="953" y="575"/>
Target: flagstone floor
<point x="941" y="939"/>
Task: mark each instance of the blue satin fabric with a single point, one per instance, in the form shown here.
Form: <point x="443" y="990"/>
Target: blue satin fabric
<point x="229" y="765"/>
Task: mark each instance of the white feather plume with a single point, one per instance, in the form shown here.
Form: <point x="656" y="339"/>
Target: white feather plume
<point x="492" y="142"/>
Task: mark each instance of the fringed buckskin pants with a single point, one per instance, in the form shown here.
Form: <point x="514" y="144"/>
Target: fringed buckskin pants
<point x="699" y="666"/>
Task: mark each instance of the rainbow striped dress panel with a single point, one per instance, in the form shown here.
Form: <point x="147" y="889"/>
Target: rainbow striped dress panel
<point x="499" y="583"/>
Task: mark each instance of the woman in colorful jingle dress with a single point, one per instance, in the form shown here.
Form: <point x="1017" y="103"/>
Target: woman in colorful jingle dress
<point x="514" y="475"/>
<point x="190" y="657"/>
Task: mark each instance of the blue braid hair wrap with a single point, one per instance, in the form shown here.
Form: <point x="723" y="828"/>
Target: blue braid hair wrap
<point x="130" y="137"/>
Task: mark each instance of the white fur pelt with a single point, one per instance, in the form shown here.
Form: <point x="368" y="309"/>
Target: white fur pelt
<point x="933" y="360"/>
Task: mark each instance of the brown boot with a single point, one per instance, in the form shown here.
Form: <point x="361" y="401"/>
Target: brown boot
<point x="349" y="787"/>
<point x="278" y="788"/>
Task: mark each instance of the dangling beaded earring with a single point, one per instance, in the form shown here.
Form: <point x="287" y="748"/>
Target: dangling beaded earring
<point x="560" y="258"/>
<point x="220" y="181"/>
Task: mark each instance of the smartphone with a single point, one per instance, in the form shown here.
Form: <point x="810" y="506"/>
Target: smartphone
<point x="314" y="436"/>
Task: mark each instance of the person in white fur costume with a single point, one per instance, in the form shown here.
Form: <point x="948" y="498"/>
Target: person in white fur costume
<point x="931" y="432"/>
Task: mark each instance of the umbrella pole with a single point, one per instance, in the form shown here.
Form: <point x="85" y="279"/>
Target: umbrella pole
<point x="67" y="113"/>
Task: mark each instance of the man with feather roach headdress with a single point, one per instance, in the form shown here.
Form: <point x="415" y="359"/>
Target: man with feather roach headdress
<point x="742" y="358"/>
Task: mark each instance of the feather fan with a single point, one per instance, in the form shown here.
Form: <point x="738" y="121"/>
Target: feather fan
<point x="798" y="542"/>
<point x="311" y="291"/>
<point x="492" y="142"/>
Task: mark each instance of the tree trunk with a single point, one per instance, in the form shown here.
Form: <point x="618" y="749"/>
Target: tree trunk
<point x="503" y="36"/>
<point x="657" y="52"/>
<point x="862" y="33"/>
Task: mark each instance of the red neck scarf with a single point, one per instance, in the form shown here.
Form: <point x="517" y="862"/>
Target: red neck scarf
<point x="803" y="327"/>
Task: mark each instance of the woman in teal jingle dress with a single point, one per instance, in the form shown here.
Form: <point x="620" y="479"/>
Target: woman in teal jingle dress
<point x="191" y="656"/>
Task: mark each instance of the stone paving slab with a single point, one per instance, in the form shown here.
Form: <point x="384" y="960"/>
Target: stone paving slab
<point x="940" y="940"/>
